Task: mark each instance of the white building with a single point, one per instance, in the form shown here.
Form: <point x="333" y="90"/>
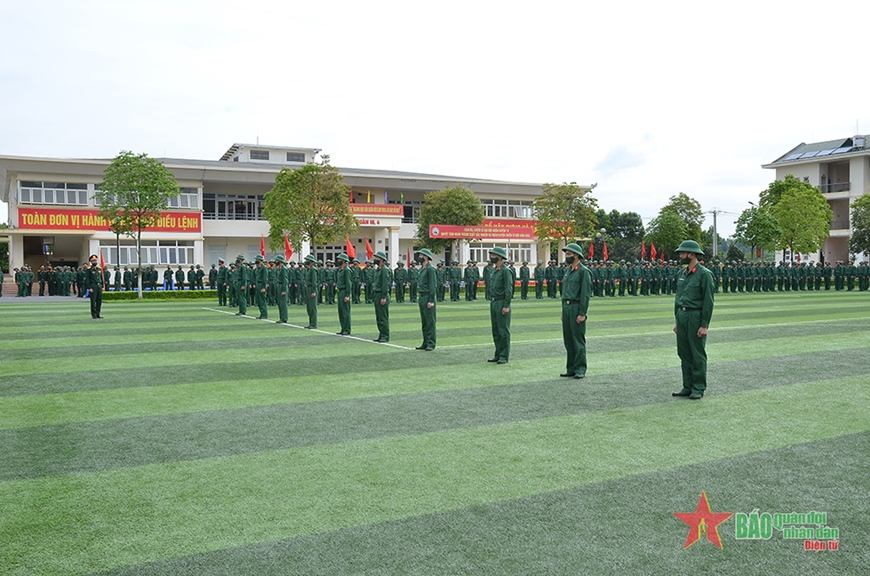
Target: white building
<point x="841" y="170"/>
<point x="53" y="218"/>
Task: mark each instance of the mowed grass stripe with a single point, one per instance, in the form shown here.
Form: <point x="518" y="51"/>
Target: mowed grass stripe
<point x="96" y="521"/>
<point x="118" y="443"/>
<point x="621" y="526"/>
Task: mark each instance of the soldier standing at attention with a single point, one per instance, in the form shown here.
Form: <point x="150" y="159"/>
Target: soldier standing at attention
<point x="428" y="284"/>
<point x="400" y="277"/>
<point x="242" y="279"/>
<point x="261" y="281"/>
<point x="576" y="291"/>
<point x="539" y="275"/>
<point x="222" y="281"/>
<point x="502" y="280"/>
<point x="312" y="287"/>
<point x="179" y="278"/>
<point x="167" y="278"/>
<point x="693" y="308"/>
<point x="281" y="282"/>
<point x="525" y="276"/>
<point x="381" y="282"/>
<point x="441" y="279"/>
<point x="469" y="275"/>
<point x="356" y="278"/>
<point x="344" y="283"/>
<point x="455" y="278"/>
<point x="487" y="273"/>
<point x="212" y="277"/>
<point x="413" y="275"/>
<point x="94" y="282"/>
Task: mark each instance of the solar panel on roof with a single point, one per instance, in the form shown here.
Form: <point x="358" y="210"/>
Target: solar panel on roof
<point x="825" y="152"/>
<point x="809" y="154"/>
<point x="793" y="156"/>
<point x="842" y="150"/>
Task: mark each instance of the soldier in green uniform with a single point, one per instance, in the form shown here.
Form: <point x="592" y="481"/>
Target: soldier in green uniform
<point x="179" y="278"/>
<point x="222" y="281"/>
<point x="368" y="276"/>
<point x="261" y="282"/>
<point x="167" y="278"/>
<point x="501" y="292"/>
<point x="344" y="283"/>
<point x="242" y="279"/>
<point x="400" y="279"/>
<point x="381" y="282"/>
<point x="280" y="283"/>
<point x="469" y="276"/>
<point x="357" y="278"/>
<point x="576" y="291"/>
<point x="233" y="285"/>
<point x="116" y="280"/>
<point x="525" y="276"/>
<point x="454" y="278"/>
<point x="200" y="278"/>
<point x="212" y="277"/>
<point x="191" y="279"/>
<point x="693" y="310"/>
<point x="427" y="286"/>
<point x="311" y="284"/>
<point x="413" y="277"/>
<point x="292" y="283"/>
<point x="329" y="278"/>
<point x="550" y="277"/>
<point x="441" y="278"/>
<point x="539" y="274"/>
<point x="94" y="282"/>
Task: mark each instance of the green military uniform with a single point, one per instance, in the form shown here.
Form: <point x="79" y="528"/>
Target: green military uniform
<point x="576" y="292"/>
<point x="487" y="272"/>
<point x="693" y="310"/>
<point x="280" y="284"/>
<point x="400" y="278"/>
<point x="357" y="279"/>
<point x="94" y="282"/>
<point x="501" y="292"/>
<point x="413" y="277"/>
<point x="525" y="277"/>
<point x="212" y="277"/>
<point x="344" y="283"/>
<point x="179" y="279"/>
<point x="454" y="277"/>
<point x="427" y="286"/>
<point x="261" y="283"/>
<point x="382" y="279"/>
<point x="242" y="279"/>
<point x="539" y="274"/>
<point x="441" y="279"/>
<point x="312" y="284"/>
<point x="329" y="277"/>
<point x="222" y="281"/>
<point x="469" y="275"/>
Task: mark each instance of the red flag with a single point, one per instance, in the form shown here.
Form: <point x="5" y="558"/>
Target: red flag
<point x="662" y="256"/>
<point x="369" y="251"/>
<point x="652" y="251"/>
<point x="605" y="250"/>
<point x="642" y="251"/>
<point x="102" y="264"/>
<point x="591" y="250"/>
<point x="409" y="255"/>
<point x="103" y="268"/>
<point x="262" y="246"/>
<point x="288" y="249"/>
<point x="351" y="251"/>
<point x="799" y="257"/>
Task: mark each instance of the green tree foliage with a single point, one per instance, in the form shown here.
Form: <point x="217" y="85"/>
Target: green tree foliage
<point x="565" y="212"/>
<point x="667" y="231"/>
<point x="132" y="195"/>
<point x="624" y="232"/>
<point x="757" y="228"/>
<point x="456" y="206"/>
<point x="309" y="203"/>
<point x="735" y="254"/>
<point x="771" y="196"/>
<point x="803" y="217"/>
<point x="689" y="210"/>
<point x="860" y="241"/>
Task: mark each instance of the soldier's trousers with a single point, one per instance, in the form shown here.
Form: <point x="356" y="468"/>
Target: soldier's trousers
<point x="501" y="329"/>
<point x="427" y="318"/>
<point x="691" y="350"/>
<point x="344" y="312"/>
<point x="574" y="337"/>
<point x="311" y="303"/>
<point x="382" y="316"/>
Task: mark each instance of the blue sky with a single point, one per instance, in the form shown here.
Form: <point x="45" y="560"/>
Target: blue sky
<point x="645" y="99"/>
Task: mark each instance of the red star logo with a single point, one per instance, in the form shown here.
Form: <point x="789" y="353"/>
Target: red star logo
<point x="703" y="520"/>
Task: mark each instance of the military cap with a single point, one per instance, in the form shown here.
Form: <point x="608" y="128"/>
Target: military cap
<point x="240" y="257"/>
<point x="380" y="254"/>
<point x="220" y="260"/>
<point x="575" y="248"/>
<point x="425" y="252"/>
<point x="540" y="262"/>
<point x="311" y="258"/>
<point x="690" y="246"/>
<point x="342" y="257"/>
<point x="258" y="258"/>
<point x="498" y="251"/>
<point x="280" y="258"/>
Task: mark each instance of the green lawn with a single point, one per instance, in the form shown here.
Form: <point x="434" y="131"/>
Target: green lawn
<point x="175" y="438"/>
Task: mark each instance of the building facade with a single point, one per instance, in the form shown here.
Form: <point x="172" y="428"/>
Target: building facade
<point x="53" y="218"/>
<point x="841" y="170"/>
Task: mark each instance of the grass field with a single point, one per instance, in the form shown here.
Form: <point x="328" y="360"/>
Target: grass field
<point x="174" y="438"/>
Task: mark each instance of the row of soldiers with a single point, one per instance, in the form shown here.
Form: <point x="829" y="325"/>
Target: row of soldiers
<point x="70" y="281"/>
<point x="798" y="276"/>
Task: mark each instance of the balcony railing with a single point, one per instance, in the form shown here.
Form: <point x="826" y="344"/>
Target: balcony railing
<point x="839" y="224"/>
<point x="838" y="187"/>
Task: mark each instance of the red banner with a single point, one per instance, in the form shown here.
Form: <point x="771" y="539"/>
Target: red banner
<point x="90" y="220"/>
<point x="379" y="209"/>
<point x="490" y="229"/>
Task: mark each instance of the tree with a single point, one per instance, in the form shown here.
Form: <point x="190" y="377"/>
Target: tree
<point x="667" y="231"/>
<point x="132" y="195"/>
<point x="860" y="241"/>
<point x="771" y="196"/>
<point x="803" y="217"/>
<point x="689" y="210"/>
<point x="565" y="212"/>
<point x="758" y="228"/>
<point x="456" y="206"/>
<point x="624" y="232"/>
<point x="735" y="254"/>
<point x="309" y="203"/>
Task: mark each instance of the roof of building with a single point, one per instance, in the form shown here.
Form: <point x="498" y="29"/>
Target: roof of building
<point x="822" y="151"/>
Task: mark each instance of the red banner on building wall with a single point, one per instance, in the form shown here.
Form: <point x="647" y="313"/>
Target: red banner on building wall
<point x="379" y="209"/>
<point x="490" y="230"/>
<point x="91" y="221"/>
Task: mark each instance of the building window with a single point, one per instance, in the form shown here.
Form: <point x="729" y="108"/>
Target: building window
<point x="188" y="199"/>
<point x="259" y="154"/>
<point x="517" y="253"/>
<point x="159" y="253"/>
<point x="232" y="207"/>
<point x="507" y="208"/>
<point x="57" y="193"/>
<point x="295" y="157"/>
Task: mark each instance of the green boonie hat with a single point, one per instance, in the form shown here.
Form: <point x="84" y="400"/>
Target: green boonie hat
<point x="280" y="258"/>
<point x="690" y="246"/>
<point x="258" y="258"/>
<point x="240" y="257"/>
<point x="575" y="248"/>
<point x="381" y="255"/>
<point x="540" y="261"/>
<point x="342" y="257"/>
<point x="425" y="252"/>
<point x="499" y="251"/>
<point x="311" y="258"/>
